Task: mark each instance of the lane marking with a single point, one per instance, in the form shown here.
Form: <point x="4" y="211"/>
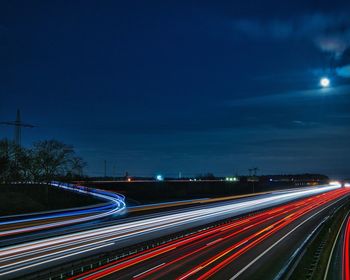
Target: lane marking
<point x="190" y="273"/>
<point x="213" y="242"/>
<point x="148" y="270"/>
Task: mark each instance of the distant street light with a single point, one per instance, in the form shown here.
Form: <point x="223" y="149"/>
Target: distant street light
<point x="159" y="177"/>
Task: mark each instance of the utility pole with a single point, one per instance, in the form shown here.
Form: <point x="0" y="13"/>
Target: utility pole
<point x="114" y="174"/>
<point x="18" y="124"/>
<point x="255" y="169"/>
<point x="105" y="168"/>
<point x="250" y="172"/>
<point x="252" y="176"/>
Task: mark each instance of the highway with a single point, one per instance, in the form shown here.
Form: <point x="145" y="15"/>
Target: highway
<point x="28" y="257"/>
<point x="255" y="247"/>
<point x="20" y="228"/>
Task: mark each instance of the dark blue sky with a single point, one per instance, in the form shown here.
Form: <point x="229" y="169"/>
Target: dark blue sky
<point x="169" y="86"/>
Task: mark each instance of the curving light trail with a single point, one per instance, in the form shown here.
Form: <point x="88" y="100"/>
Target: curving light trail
<point x="115" y="205"/>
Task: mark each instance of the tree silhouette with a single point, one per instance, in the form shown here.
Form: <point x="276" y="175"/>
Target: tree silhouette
<point x="45" y="161"/>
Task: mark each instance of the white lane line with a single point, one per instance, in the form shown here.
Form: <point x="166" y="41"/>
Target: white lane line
<point x="190" y="273"/>
<point x="279" y="241"/>
<point x="298" y="250"/>
<point x="213" y="242"/>
<point x="148" y="270"/>
<point x="332" y="250"/>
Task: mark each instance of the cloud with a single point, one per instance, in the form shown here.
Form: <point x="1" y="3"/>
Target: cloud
<point x="343" y="71"/>
<point x="304" y="123"/>
<point x="329" y="32"/>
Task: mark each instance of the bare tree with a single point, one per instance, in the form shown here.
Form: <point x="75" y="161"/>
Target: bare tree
<point x="53" y="158"/>
<point x="9" y="161"/>
<point x="77" y="165"/>
<point x="45" y="161"/>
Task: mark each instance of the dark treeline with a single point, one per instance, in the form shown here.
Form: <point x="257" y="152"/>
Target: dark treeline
<point x="44" y="161"/>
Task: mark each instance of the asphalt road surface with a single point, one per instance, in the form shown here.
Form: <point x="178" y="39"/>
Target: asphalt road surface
<point x="27" y="257"/>
<point x="256" y="247"/>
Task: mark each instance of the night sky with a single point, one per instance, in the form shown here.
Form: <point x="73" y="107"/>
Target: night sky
<point x="169" y="86"/>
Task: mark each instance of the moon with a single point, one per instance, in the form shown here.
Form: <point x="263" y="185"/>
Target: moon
<point x="325" y="82"/>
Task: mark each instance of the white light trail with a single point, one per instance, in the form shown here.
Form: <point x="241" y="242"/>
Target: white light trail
<point x="66" y="244"/>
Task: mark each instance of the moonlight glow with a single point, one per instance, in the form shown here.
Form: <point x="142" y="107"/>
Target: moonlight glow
<point x="324" y="82"/>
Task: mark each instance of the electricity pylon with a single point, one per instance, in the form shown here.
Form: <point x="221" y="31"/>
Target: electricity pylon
<point x="18" y="124"/>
